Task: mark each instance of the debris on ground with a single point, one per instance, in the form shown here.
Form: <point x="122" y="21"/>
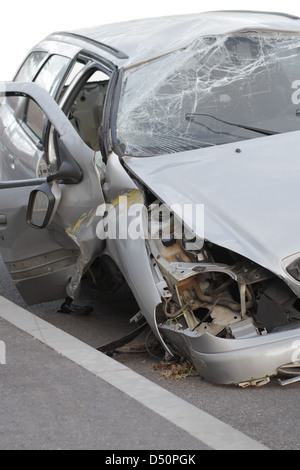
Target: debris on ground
<point x="172" y="369"/>
<point x="175" y="370"/>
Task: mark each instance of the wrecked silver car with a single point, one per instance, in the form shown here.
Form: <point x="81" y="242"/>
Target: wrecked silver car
<point x="170" y="147"/>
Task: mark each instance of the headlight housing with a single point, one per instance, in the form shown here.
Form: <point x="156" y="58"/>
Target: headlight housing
<point x="294" y="269"/>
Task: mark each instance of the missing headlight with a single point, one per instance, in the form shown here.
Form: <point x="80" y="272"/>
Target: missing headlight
<point x="294" y="269"/>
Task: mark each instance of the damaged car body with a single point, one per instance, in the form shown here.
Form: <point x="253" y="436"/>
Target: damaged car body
<point x="172" y="115"/>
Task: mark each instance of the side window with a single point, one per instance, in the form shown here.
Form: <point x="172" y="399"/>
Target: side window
<point x="31" y="66"/>
<point x="35" y="119"/>
<point x="49" y="77"/>
<point x="52" y="73"/>
<point x="27" y="73"/>
<point x="22" y="153"/>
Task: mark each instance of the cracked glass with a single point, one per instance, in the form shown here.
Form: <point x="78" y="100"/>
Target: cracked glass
<point x="219" y="90"/>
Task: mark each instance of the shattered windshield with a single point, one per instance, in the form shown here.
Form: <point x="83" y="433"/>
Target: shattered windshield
<point x="221" y="89"/>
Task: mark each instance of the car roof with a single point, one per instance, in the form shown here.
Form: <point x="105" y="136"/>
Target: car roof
<point x="132" y="42"/>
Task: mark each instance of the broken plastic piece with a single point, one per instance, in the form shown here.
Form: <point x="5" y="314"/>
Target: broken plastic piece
<point x="256" y="383"/>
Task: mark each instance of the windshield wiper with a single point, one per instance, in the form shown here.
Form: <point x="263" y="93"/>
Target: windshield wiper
<point x="189" y="117"/>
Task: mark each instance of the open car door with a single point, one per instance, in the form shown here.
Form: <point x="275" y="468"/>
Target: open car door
<point x="50" y="189"/>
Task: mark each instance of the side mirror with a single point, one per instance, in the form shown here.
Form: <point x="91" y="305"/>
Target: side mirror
<point x="69" y="171"/>
<point x="42" y="205"/>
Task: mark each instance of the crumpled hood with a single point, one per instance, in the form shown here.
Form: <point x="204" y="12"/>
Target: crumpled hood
<point x="250" y="191"/>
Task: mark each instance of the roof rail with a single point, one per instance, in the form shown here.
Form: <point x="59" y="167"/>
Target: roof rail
<point x="286" y="15"/>
<point x="111" y="50"/>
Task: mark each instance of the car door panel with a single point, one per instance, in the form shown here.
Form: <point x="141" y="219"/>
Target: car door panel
<point x="46" y="263"/>
<point x="30" y="254"/>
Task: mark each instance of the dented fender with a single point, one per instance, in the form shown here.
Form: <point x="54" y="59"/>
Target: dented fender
<point x="131" y="255"/>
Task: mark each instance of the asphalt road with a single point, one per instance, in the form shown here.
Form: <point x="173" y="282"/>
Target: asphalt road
<point x="268" y="414"/>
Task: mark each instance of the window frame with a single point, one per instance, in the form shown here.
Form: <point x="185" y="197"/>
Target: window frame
<point x="94" y="63"/>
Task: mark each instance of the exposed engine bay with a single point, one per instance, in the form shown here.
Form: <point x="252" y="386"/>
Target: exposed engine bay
<point x="209" y="289"/>
<point x="218" y="291"/>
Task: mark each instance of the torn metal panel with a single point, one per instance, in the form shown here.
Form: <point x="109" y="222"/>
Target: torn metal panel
<point x="41" y="265"/>
<point x="131" y="255"/>
<point x="229" y="361"/>
<point x="83" y="234"/>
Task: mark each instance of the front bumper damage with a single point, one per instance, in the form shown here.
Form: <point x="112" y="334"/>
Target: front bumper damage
<point x="249" y="361"/>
